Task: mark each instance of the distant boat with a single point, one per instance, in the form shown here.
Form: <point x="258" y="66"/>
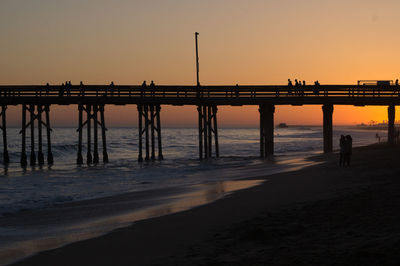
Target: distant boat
<point x="282" y="125"/>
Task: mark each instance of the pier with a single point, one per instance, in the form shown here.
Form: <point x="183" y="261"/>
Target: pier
<point x="91" y="101"/>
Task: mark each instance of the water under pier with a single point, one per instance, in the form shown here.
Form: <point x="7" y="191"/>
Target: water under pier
<point x="91" y="101"/>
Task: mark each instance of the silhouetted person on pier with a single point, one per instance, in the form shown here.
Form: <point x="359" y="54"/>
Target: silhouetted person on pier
<point x="290" y="86"/>
<point x="303" y="88"/>
<point x="47" y="88"/>
<point x="237" y="90"/>
<point x="152" y="89"/>
<point x="68" y="87"/>
<point x="296" y="87"/>
<point x="342" y="145"/>
<point x="143" y="89"/>
<point x="81" y="89"/>
<point x="396" y="88"/>
<point x="61" y="91"/>
<point x="316" y="87"/>
<point x="111" y="88"/>
<point x="348" y="149"/>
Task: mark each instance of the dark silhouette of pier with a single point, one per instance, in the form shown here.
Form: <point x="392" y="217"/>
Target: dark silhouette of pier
<point x="92" y="100"/>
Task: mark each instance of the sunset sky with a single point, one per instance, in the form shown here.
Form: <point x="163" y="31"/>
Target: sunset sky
<point x="244" y="42"/>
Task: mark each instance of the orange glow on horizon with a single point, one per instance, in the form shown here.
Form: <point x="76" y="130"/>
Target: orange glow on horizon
<point x="262" y="42"/>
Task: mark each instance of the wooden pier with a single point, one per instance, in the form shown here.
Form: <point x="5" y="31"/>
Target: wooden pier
<point x="93" y="99"/>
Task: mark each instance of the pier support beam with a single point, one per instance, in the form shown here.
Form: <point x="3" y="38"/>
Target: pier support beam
<point x="159" y="142"/>
<point x="32" y="124"/>
<point x="23" y="160"/>
<point x="207" y="115"/>
<point x="79" y="159"/>
<point x="152" y="125"/>
<point x="391" y="118"/>
<point x="95" y="136"/>
<point x="140" y="121"/>
<point x="153" y="153"/>
<point x="40" y="142"/>
<point x="266" y="130"/>
<point x="6" y="158"/>
<point x="327" y="127"/>
<point x="89" y="158"/>
<point x="92" y="114"/>
<point x="50" y="159"/>
<point x="103" y="134"/>
<point x="146" y="129"/>
<point x="36" y="116"/>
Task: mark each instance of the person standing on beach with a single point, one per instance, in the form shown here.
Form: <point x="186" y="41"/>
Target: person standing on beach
<point x="342" y="145"/>
<point x="348" y="149"/>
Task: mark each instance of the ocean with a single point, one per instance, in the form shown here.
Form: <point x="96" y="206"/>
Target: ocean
<point x="32" y="198"/>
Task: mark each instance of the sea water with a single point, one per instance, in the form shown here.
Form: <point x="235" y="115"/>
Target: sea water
<point x="47" y="207"/>
<point x="40" y="187"/>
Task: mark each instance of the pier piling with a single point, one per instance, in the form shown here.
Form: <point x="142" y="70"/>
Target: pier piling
<point x="140" y="118"/>
<point x="327" y="127"/>
<point x="214" y="110"/>
<point x="32" y="120"/>
<point x="103" y="134"/>
<point x="40" y="142"/>
<point x="95" y="135"/>
<point x="23" y="160"/>
<point x="207" y="115"/>
<point x="266" y="130"/>
<point x="205" y="131"/>
<point x="50" y="159"/>
<point x="146" y="128"/>
<point x="6" y="158"/>
<point x="391" y="119"/>
<point x="160" y="154"/>
<point x="89" y="159"/>
<point x="153" y="152"/>
<point x="200" y="121"/>
<point x="79" y="159"/>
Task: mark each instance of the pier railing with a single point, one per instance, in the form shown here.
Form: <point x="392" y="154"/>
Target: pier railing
<point x="163" y="91"/>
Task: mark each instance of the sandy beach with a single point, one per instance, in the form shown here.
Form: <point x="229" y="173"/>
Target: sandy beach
<point x="321" y="215"/>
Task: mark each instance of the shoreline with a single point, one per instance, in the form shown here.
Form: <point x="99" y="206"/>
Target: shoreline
<point x="172" y="238"/>
<point x="46" y="230"/>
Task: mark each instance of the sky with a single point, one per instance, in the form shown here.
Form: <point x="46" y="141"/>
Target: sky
<point x="244" y="42"/>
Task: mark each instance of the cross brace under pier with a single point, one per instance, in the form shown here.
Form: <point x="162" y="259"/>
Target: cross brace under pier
<point x="208" y="127"/>
<point x="35" y="113"/>
<point x="92" y="111"/>
<point x="150" y="115"/>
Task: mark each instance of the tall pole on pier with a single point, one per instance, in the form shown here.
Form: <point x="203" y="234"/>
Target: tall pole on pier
<point x="196" y="34"/>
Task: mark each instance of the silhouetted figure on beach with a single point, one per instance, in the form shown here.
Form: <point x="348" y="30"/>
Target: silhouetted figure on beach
<point x="143" y="89"/>
<point x="290" y="86"/>
<point x="152" y="89"/>
<point x="342" y="145"/>
<point x="348" y="149"/>
<point x="378" y="137"/>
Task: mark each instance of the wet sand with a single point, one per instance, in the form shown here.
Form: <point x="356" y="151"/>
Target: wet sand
<point x="321" y="215"/>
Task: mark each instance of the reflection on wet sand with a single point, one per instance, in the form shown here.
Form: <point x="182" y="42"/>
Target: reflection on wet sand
<point x="24" y="240"/>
